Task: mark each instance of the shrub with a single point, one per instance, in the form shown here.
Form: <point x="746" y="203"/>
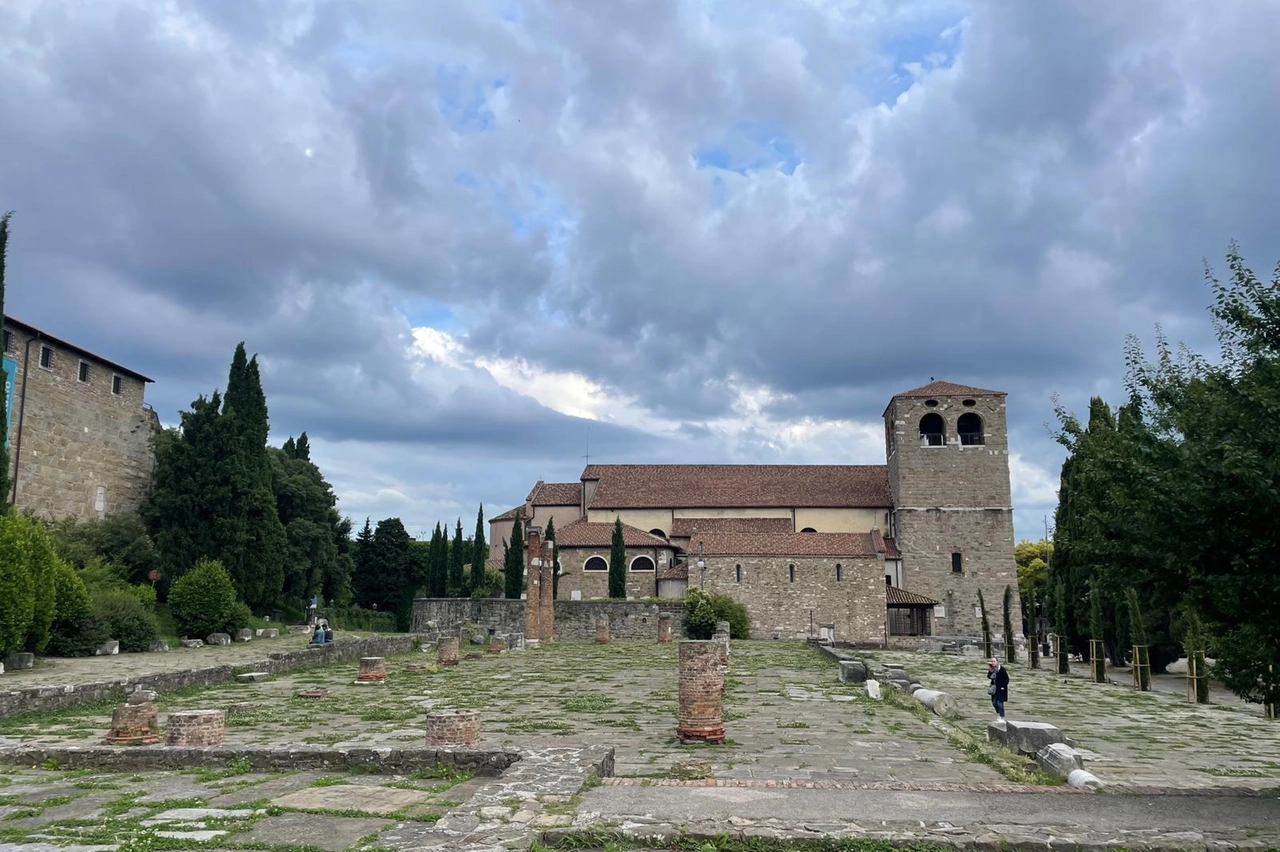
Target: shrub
<point x="241" y="616"/>
<point x="202" y="601"/>
<point x="41" y="564"/>
<point x="145" y="594"/>
<point x="703" y="609"/>
<point x="355" y="618"/>
<point x="124" y="617"/>
<point x="74" y="632"/>
<point x="495" y="583"/>
<point x="15" y="583"/>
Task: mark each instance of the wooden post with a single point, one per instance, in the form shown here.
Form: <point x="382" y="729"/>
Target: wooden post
<point x="1097" y="653"/>
<point x="1271" y="709"/>
<point x="1142" y="668"/>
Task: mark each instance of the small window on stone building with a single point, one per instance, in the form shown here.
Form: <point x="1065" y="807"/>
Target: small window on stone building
<point x="808" y="529"/>
<point x="737" y="570"/>
<point x="8" y="342"/>
<point x="84" y="371"/>
<point x="117" y="385"/>
<point x="957" y="564"/>
<point x="46" y="357"/>
<point x="596" y="563"/>
<point x="838" y="573"/>
<point x="791" y="571"/>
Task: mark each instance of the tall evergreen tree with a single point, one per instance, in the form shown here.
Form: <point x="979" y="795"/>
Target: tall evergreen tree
<point x="364" y="575"/>
<point x="617" y="562"/>
<point x="290" y="449"/>
<point x="479" y="552"/>
<point x="314" y="531"/>
<point x="438" y="578"/>
<point x="392" y="560"/>
<point x="513" y="562"/>
<point x="457" y="559"/>
<point x="555" y="558"/>
<point x="5" y="378"/>
<point x="303" y="448"/>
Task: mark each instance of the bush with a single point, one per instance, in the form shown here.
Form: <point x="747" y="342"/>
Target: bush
<point x="203" y="600"/>
<point x="145" y="594"/>
<point x="42" y="565"/>
<point x="124" y="617"/>
<point x="241" y="616"/>
<point x="703" y="609"/>
<point x="74" y="632"/>
<point x="355" y="618"/>
<point x="495" y="583"/>
<point x="15" y="583"/>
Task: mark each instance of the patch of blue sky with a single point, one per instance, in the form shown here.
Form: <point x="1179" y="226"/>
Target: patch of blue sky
<point x="922" y="50"/>
<point x="421" y="311"/>
<point x="511" y="11"/>
<point x="750" y="146"/>
<point x="463" y="100"/>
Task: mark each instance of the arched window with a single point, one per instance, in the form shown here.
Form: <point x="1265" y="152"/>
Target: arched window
<point x="838" y="572"/>
<point x="642" y="563"/>
<point x="738" y="570"/>
<point x="791" y="570"/>
<point x="808" y="529"/>
<point x="933" y="430"/>
<point x="969" y="427"/>
<point x="659" y="533"/>
<point x="595" y="563"/>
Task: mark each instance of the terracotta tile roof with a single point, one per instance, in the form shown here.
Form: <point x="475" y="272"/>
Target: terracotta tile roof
<point x="894" y="596"/>
<point x="674" y="572"/>
<point x="555" y="494"/>
<point x="738" y="485"/>
<point x="891" y="549"/>
<point x="31" y="330"/>
<point x="686" y="527"/>
<point x="846" y="545"/>
<point x="509" y="515"/>
<point x="948" y="389"/>
<point x="587" y="534"/>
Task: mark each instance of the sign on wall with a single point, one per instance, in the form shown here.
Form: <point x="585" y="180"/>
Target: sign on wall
<point x="10" y="370"/>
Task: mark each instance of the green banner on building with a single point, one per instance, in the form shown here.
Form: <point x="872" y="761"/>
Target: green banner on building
<point x="10" y="370"/>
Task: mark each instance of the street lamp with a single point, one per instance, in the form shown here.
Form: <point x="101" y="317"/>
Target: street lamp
<point x="702" y="567"/>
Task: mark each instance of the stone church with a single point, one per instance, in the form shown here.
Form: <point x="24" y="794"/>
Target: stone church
<point x="883" y="554"/>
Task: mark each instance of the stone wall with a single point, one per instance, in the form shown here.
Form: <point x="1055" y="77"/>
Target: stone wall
<point x="788" y="608"/>
<point x="44" y="698"/>
<point x="79" y="440"/>
<point x="575" y="620"/>
<point x="595" y="584"/>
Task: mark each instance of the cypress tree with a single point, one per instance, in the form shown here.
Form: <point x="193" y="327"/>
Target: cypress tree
<point x="290" y="449"/>
<point x="513" y="563"/>
<point x="617" y="562"/>
<point x="555" y="558"/>
<point x="5" y="378"/>
<point x="479" y="553"/>
<point x="1010" y="652"/>
<point x="986" y="626"/>
<point x="457" y="558"/>
<point x="1060" y="620"/>
<point x="364" y="578"/>
<point x="303" y="448"/>
<point x="440" y="562"/>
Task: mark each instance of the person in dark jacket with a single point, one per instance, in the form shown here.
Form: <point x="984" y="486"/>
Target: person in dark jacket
<point x="997" y="687"/>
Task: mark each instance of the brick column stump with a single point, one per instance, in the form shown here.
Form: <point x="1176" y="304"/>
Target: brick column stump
<point x="197" y="728"/>
<point x="701" y="713"/>
<point x="602" y="630"/>
<point x="134" y="724"/>
<point x="664" y="626"/>
<point x="453" y="727"/>
<point x="372" y="670"/>
<point x="722" y="636"/>
<point x="497" y="644"/>
<point x="447" y="651"/>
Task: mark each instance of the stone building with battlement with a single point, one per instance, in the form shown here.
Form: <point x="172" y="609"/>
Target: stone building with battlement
<point x="80" y="434"/>
<point x="890" y="554"/>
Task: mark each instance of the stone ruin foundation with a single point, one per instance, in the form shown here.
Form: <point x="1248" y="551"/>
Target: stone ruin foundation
<point x="447" y="651"/>
<point x="701" y="713"/>
<point x="602" y="630"/>
<point x="497" y="644"/>
<point x="134" y="724"/>
<point x="197" y="728"/>
<point x="664" y="627"/>
<point x="453" y="727"/>
<point x="372" y="670"/>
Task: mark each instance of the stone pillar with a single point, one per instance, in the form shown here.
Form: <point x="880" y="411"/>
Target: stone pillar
<point x="722" y="637"/>
<point x="497" y="643"/>
<point x="197" y="728"/>
<point x="602" y="630"/>
<point x="539" y="609"/>
<point x="447" y="651"/>
<point x="664" y="626"/>
<point x="372" y="670"/>
<point x="701" y="712"/>
<point x="134" y="724"/>
<point x="453" y="727"/>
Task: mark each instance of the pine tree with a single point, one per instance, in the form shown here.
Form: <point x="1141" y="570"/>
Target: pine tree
<point x="617" y="562"/>
<point x="303" y="448"/>
<point x="457" y="558"/>
<point x="479" y="553"/>
<point x="364" y="578"/>
<point x="555" y="558"/>
<point x="513" y="562"/>
<point x="5" y="378"/>
<point x="290" y="449"/>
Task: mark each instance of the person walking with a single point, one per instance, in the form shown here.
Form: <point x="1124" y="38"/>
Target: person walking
<point x="997" y="687"/>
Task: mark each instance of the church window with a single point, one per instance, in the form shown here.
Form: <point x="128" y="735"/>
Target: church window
<point x="83" y="375"/>
<point x="969" y="427"/>
<point x="957" y="564"/>
<point x="659" y="533"/>
<point x="838" y="572"/>
<point x="808" y="529"/>
<point x="791" y="570"/>
<point x="737" y="569"/>
<point x="933" y="430"/>
<point x="595" y="563"/>
<point x="46" y="357"/>
<point x="642" y="563"/>
<point x="931" y="403"/>
<point x="969" y="403"/>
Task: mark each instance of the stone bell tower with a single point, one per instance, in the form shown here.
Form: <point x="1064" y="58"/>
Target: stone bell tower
<point x="948" y="457"/>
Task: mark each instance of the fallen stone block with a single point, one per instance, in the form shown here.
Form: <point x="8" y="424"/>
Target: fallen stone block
<point x="108" y="648"/>
<point x="142" y="696"/>
<point x="218" y="639"/>
<point x="853" y="671"/>
<point x="1024" y="737"/>
<point x="244" y="634"/>
<point x="1059" y="759"/>
<point x="1084" y="778"/>
<point x="160" y="645"/>
<point x="268" y="632"/>
<point x="873" y="689"/>
<point x="940" y="703"/>
<point x="191" y="643"/>
<point x="252" y="677"/>
<point x="22" y="660"/>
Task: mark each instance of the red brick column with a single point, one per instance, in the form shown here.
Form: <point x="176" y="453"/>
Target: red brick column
<point x="497" y="644"/>
<point x="602" y="630"/>
<point x="372" y="670"/>
<point x="134" y="724"/>
<point x="664" y="626"/>
<point x="701" y="712"/>
<point x="453" y="727"/>
<point x="447" y="651"/>
<point x="197" y="728"/>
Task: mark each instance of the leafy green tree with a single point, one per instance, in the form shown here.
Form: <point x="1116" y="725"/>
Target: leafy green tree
<point x="203" y="600"/>
<point x="513" y="562"/>
<point x="16" y="588"/>
<point x="703" y="609"/>
<point x="1032" y="558"/>
<point x="74" y="632"/>
<point x="479" y="552"/>
<point x="617" y="562"/>
<point x="457" y="560"/>
<point x="123" y="617"/>
<point x="314" y="532"/>
<point x="43" y="572"/>
<point x="4" y="377"/>
<point x="120" y="539"/>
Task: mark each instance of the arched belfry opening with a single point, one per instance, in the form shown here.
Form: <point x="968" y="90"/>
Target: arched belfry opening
<point x="969" y="428"/>
<point x="933" y="430"/>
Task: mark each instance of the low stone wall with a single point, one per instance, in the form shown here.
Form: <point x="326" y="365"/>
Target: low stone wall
<point x="574" y="619"/>
<point x="44" y="698"/>
<point x="482" y="762"/>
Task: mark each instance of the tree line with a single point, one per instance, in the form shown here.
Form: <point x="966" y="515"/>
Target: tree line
<point x="1165" y="528"/>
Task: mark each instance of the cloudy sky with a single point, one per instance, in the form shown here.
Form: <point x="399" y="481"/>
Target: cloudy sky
<point x="468" y="237"/>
